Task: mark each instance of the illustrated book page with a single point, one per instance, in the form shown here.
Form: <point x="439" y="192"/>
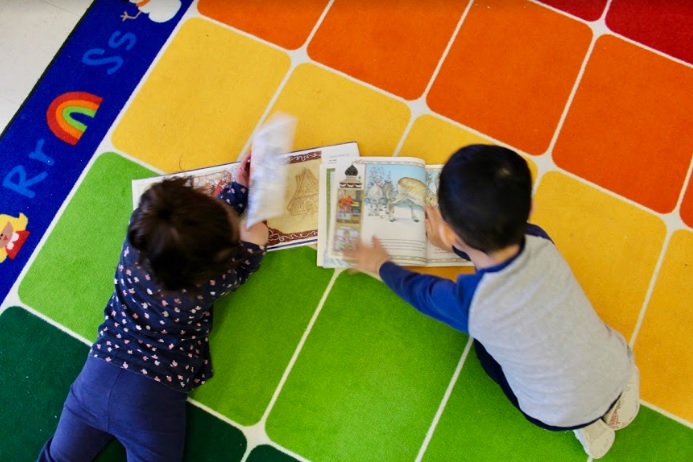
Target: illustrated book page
<point x="383" y="197"/>
<point x="298" y="223"/>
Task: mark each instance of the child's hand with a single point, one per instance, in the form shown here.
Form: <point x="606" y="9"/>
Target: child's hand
<point x="257" y="234"/>
<point x="243" y="170"/>
<point x="433" y="222"/>
<point x="366" y="258"/>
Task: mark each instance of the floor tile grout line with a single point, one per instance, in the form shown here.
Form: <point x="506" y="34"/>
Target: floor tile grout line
<point x="660" y="262"/>
<point x="317" y="25"/>
<point x="573" y="92"/>
<point x="602" y="189"/>
<point x="47" y="320"/>
<point x="444" y="56"/>
<point x="299" y="347"/>
<point x="298" y="57"/>
<point x="244" y="429"/>
<point x="443" y="403"/>
<point x="608" y="31"/>
<point x="415" y="106"/>
<point x="667" y="414"/>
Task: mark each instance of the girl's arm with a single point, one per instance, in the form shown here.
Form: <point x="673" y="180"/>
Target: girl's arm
<point x="236" y="193"/>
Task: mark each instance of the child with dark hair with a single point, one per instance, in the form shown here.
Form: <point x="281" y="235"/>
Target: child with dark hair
<point x="535" y="332"/>
<point x="183" y="251"/>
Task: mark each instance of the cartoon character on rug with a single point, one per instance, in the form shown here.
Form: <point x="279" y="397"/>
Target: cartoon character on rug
<point x="13" y="234"/>
<point x="158" y="10"/>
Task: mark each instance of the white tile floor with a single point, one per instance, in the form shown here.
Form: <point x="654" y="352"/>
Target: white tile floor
<point x="31" y="32"/>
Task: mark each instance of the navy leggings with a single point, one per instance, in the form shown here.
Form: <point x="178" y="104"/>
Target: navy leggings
<point x="495" y="371"/>
<point x="106" y="402"/>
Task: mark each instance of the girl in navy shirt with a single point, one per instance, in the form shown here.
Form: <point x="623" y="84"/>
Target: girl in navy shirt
<point x="182" y="252"/>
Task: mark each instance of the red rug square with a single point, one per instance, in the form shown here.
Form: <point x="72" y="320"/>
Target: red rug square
<point x="664" y="26"/>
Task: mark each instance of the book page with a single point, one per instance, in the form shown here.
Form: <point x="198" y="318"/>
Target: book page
<point x="435" y="256"/>
<point x="210" y="180"/>
<point x="383" y="197"/>
<point x="268" y="168"/>
<point x="325" y="216"/>
<point x="298" y="223"/>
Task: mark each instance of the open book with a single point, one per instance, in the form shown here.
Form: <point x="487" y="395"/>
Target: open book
<point x="383" y="197"/>
<point x="298" y="224"/>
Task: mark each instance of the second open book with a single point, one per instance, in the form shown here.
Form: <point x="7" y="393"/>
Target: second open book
<point x="297" y="223"/>
<point x="384" y="197"/>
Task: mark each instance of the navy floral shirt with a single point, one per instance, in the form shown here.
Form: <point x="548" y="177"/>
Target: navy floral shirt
<point x="165" y="335"/>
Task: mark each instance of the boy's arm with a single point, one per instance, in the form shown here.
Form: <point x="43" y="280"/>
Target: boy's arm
<point x="439" y="298"/>
<point x="436" y="297"/>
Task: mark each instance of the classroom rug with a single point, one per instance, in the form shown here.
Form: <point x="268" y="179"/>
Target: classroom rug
<point x="315" y="364"/>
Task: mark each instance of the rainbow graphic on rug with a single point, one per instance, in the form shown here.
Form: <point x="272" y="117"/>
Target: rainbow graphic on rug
<point x="62" y="111"/>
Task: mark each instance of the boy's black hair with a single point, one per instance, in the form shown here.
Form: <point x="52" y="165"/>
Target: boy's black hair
<point x="183" y="236"/>
<point x="485" y="195"/>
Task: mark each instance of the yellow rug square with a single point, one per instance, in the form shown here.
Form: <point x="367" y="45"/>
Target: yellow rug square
<point x="202" y="100"/>
<point x="664" y="341"/>
<point x="435" y="140"/>
<point x="615" y="277"/>
<point x="335" y="109"/>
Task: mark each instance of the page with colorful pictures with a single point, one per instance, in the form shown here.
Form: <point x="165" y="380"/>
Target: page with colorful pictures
<point x="298" y="222"/>
<point x="298" y="202"/>
<point x="383" y="197"/>
<point x="435" y="256"/>
<point x="210" y="180"/>
<point x="325" y="211"/>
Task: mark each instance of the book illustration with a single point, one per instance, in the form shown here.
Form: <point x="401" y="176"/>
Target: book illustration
<point x="383" y="197"/>
<point x="349" y="204"/>
<point x="298" y="201"/>
<point x="305" y="199"/>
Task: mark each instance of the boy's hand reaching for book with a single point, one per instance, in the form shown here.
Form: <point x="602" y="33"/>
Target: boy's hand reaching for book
<point x="433" y="222"/>
<point x="367" y="259"/>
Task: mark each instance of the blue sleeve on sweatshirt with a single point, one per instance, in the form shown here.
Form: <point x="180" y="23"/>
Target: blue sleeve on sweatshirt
<point x="439" y="298"/>
<point x="535" y="230"/>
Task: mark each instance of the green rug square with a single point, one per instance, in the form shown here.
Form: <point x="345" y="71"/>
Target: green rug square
<point x="368" y="380"/>
<point x="256" y="331"/>
<point x="71" y="278"/>
<point x="38" y="363"/>
<point x="266" y="453"/>
<point x="479" y="423"/>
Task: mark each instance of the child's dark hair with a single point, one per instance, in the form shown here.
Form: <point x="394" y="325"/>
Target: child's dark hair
<point x="184" y="236"/>
<point x="485" y="195"/>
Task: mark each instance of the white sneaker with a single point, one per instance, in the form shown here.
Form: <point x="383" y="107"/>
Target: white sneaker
<point x="626" y="408"/>
<point x="596" y="438"/>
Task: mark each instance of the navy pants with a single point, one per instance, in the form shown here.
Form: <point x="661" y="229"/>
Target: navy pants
<point x="106" y="402"/>
<point x="495" y="371"/>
